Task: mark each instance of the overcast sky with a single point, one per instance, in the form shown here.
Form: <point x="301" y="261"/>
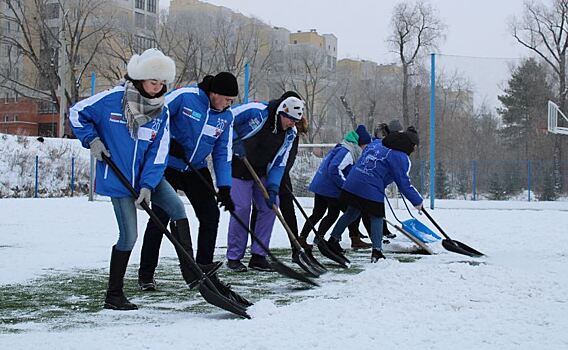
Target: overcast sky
<point x="477" y="28"/>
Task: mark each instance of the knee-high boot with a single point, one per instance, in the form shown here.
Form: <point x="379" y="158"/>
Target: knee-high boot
<point x="115" y="298"/>
<point x="180" y="231"/>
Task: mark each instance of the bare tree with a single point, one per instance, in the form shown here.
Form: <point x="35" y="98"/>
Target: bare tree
<point x="415" y="29"/>
<point x="308" y="73"/>
<point x="543" y="30"/>
<point x="46" y="30"/>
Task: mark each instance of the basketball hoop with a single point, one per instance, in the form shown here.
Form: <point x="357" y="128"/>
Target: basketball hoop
<point x="553" y="113"/>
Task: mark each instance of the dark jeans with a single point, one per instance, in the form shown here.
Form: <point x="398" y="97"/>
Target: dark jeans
<point x="205" y="206"/>
<point x="333" y="206"/>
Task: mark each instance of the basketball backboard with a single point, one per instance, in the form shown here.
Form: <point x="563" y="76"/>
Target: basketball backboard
<point x="557" y="121"/>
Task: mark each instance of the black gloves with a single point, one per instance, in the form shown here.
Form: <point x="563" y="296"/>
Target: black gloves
<point x="239" y="148"/>
<point x="224" y="197"/>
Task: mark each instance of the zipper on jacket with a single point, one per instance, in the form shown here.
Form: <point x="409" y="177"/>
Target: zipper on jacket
<point x="106" y="172"/>
<point x="200" y="135"/>
<point x="134" y="163"/>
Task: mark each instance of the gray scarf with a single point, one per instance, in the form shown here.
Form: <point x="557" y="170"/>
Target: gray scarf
<point x="353" y="148"/>
<point x="138" y="109"/>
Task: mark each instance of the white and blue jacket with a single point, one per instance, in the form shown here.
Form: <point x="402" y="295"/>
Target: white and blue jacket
<point x="378" y="167"/>
<point x="332" y="172"/>
<point x="201" y="131"/>
<point x="267" y="151"/>
<point x="142" y="161"/>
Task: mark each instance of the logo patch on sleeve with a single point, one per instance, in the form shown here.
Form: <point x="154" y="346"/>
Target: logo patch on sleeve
<point x="195" y="115"/>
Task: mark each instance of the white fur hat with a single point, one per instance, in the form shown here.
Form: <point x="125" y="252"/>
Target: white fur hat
<point x="152" y="64"/>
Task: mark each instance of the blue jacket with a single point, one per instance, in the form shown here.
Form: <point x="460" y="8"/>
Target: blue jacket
<point x="376" y="169"/>
<point x="200" y="131"/>
<point x="267" y="151"/>
<point x="142" y="161"/>
<point x="332" y="172"/>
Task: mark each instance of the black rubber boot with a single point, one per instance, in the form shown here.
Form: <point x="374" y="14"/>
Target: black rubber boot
<point x="115" y="298"/>
<point x="377" y="255"/>
<point x="180" y="231"/>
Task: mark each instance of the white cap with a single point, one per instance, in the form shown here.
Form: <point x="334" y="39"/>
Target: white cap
<point x="152" y="64"/>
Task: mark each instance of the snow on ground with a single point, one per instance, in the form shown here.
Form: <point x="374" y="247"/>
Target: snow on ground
<point x="514" y="298"/>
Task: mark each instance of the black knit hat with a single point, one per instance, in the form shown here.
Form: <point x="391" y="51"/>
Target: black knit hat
<point x="225" y="84"/>
<point x="412" y="134"/>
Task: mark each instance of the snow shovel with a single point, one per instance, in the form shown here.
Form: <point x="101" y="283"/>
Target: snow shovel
<point x="452" y="245"/>
<point x="302" y="260"/>
<point x="206" y="288"/>
<point x="417" y="228"/>
<point x="277" y="265"/>
<point x="423" y="247"/>
<point x="420" y="231"/>
<point x="321" y="243"/>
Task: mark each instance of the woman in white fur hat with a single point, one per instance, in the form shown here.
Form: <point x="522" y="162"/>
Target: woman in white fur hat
<point x="130" y="124"/>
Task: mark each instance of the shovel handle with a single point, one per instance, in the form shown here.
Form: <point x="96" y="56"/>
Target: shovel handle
<point x="435" y="224"/>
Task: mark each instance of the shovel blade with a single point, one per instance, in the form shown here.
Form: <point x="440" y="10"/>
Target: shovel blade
<point x="304" y="262"/>
<point x="330" y="254"/>
<point x="460" y="248"/>
<point x="322" y="269"/>
<point x="214" y="298"/>
<point x="291" y="273"/>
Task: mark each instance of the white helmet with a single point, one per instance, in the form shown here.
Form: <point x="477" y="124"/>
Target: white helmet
<point x="293" y="107"/>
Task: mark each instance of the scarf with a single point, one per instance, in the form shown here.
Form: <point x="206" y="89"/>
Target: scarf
<point x="138" y="109"/>
<point x="350" y="142"/>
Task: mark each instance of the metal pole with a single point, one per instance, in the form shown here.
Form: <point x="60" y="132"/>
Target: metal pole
<point x="72" y="176"/>
<point x="421" y="177"/>
<point x="432" y="129"/>
<point x="36" y="175"/>
<point x="92" y="162"/>
<point x="529" y="177"/>
<point x="247" y="81"/>
<point x="474" y="179"/>
<point x="62" y="72"/>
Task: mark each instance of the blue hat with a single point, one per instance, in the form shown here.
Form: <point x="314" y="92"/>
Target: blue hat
<point x="364" y="136"/>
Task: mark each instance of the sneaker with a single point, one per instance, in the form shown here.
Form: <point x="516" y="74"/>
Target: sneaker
<point x="334" y="245"/>
<point x="147" y="286"/>
<point x="236" y="266"/>
<point x="259" y="262"/>
<point x="376" y="255"/>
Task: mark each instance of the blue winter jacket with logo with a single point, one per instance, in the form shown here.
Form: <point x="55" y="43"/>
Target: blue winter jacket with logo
<point x="332" y="172"/>
<point x="250" y="119"/>
<point x="201" y="131"/>
<point x="376" y="169"/>
<point x="142" y="161"/>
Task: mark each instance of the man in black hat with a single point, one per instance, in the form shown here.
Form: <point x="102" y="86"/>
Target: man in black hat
<point x="201" y="125"/>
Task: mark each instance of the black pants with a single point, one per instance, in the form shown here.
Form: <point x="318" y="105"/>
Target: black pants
<point x="332" y="206"/>
<point x="205" y="206"/>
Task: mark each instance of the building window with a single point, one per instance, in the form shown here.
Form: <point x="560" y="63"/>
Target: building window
<point x="139" y="20"/>
<point x="52" y="10"/>
<point x="152" y="6"/>
<point x="151" y="23"/>
<point x="139" y="4"/>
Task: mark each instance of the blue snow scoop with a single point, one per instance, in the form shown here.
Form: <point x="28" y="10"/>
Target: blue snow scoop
<point x="420" y="231"/>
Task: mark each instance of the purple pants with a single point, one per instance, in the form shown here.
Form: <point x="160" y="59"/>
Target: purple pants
<point x="243" y="193"/>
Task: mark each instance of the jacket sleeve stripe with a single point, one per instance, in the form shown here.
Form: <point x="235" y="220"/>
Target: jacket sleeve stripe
<point x="79" y="106"/>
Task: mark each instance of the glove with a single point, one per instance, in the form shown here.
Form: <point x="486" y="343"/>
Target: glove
<point x="98" y="149"/>
<point x="144" y="196"/>
<point x="224" y="197"/>
<point x="239" y="149"/>
<point x="272" y="195"/>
